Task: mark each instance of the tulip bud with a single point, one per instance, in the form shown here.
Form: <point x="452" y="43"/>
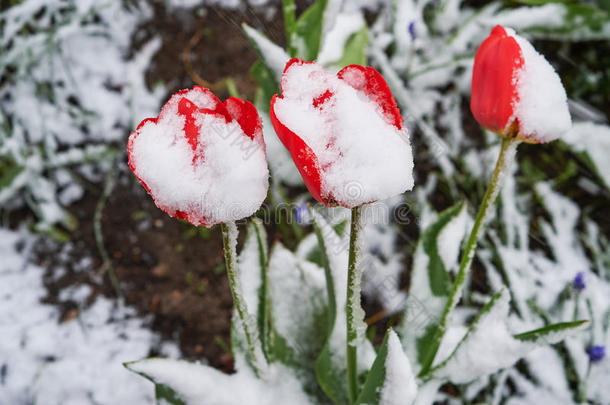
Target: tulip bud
<point x="516" y="92"/>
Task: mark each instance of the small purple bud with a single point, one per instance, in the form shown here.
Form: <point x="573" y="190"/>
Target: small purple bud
<point x="579" y="282"/>
<point x="596" y="353"/>
<point x="301" y="214"/>
<point x="412" y="30"/>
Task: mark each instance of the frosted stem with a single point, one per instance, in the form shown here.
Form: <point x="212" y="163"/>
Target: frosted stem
<point x="352" y="305"/>
<point x="229" y="242"/>
<point x="505" y="160"/>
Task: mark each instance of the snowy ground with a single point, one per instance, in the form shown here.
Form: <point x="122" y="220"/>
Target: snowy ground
<point x="77" y="362"/>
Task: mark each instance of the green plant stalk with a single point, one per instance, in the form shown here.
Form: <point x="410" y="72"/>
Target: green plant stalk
<point x="505" y="159"/>
<point x="354" y="275"/>
<point x="229" y="242"/>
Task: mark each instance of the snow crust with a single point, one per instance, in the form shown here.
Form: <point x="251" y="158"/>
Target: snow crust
<point x="223" y="180"/>
<point x="542" y="108"/>
<point x="400" y="387"/>
<point x="361" y="156"/>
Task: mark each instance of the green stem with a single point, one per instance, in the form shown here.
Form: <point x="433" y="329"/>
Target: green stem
<point x="353" y="305"/>
<point x="505" y="159"/>
<point x="229" y="242"/>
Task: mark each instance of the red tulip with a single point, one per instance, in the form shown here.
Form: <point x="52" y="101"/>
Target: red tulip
<point x="202" y="160"/>
<point x="515" y="91"/>
<point x="344" y="132"/>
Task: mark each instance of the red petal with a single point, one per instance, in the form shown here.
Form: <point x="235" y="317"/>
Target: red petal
<point x="302" y="155"/>
<point x="370" y="82"/>
<point x="246" y="116"/>
<point x="321" y="99"/>
<point x="191" y="129"/>
<point x="494" y="92"/>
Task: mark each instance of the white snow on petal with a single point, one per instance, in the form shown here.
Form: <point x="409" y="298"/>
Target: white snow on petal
<point x="361" y="156"/>
<point x="400" y="387"/>
<point x="229" y="183"/>
<point x="542" y="109"/>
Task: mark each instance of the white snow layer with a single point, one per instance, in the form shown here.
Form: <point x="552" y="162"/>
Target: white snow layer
<point x="400" y="387"/>
<point x="225" y="179"/>
<point x="76" y="362"/>
<point x="542" y="108"/>
<point x="195" y="383"/>
<point x="361" y="156"/>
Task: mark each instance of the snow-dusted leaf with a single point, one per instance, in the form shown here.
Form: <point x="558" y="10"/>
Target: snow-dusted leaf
<point x="594" y="141"/>
<point x="489" y="345"/>
<point x="346" y="42"/>
<point x="331" y="363"/>
<point x="299" y="311"/>
<point x="183" y="383"/>
<point x="436" y="253"/>
<point x="390" y="380"/>
<point x="568" y="21"/>
<point x="551" y="333"/>
<point x="271" y="54"/>
<point x="253" y="277"/>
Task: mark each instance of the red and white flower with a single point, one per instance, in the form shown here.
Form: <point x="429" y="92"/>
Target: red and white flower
<point x="515" y="91"/>
<point x="344" y="132"/>
<point x="202" y="160"/>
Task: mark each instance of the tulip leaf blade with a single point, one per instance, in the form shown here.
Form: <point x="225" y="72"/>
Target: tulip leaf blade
<point x="355" y="49"/>
<point x="308" y="31"/>
<point x="545" y="332"/>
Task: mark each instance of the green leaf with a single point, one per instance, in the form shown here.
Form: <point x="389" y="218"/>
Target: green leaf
<point x="550" y="332"/>
<point x="267" y="85"/>
<point x="272" y="55"/>
<point x="289" y="11"/>
<point x="430" y="286"/>
<point x="163" y="393"/>
<point x="391" y="369"/>
<point x="355" y="49"/>
<point x="308" y="31"/>
<point x="374" y="380"/>
<point x="8" y="174"/>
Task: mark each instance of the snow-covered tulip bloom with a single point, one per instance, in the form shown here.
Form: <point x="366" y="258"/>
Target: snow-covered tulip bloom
<point x="515" y="91"/>
<point x="344" y="132"/>
<point x="202" y="160"/>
